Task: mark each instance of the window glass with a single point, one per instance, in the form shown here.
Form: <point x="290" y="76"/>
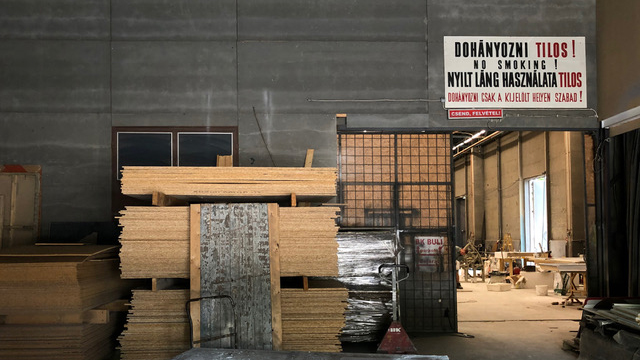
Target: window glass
<point x="144" y="149"/>
<point x="202" y="149"/>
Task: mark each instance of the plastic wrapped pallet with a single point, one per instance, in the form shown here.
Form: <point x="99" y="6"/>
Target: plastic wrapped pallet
<point x="360" y="254"/>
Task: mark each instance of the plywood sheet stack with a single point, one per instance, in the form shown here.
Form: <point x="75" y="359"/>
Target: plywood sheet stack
<point x="157" y="325"/>
<point x="308" y="245"/>
<point x="312" y="319"/>
<point x="230" y="182"/>
<point x="52" y="299"/>
<point x="155" y="242"/>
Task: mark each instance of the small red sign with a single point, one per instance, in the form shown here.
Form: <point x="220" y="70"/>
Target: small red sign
<point x="476" y="114"/>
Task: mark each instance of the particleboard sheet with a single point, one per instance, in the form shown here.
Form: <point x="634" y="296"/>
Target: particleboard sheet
<point x="57" y="342"/>
<point x="157" y="327"/>
<point x="155" y="242"/>
<point x="46" y="279"/>
<point x="234" y="261"/>
<point x="308" y="245"/>
<point x="312" y="319"/>
<point x="309" y="184"/>
<point x="47" y="295"/>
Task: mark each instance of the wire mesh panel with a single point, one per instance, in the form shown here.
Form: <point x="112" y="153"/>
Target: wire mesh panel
<point x="403" y="181"/>
<point x="367" y="179"/>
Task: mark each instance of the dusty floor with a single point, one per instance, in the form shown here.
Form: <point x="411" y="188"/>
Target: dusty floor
<point x="515" y="324"/>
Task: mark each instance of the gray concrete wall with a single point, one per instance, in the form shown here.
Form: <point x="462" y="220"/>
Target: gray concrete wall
<point x="71" y="69"/>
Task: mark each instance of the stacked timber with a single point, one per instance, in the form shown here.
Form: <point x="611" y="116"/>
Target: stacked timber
<point x="155" y="242"/>
<point x="55" y="302"/>
<point x="57" y="341"/>
<point x="308" y="245"/>
<point x="308" y="184"/>
<point x="312" y="319"/>
<point x="157" y="325"/>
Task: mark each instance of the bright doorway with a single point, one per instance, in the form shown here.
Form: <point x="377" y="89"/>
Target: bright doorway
<point x="535" y="206"/>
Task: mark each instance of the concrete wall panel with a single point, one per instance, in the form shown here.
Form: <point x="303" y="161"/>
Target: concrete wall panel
<point x="558" y="186"/>
<point x="174" y="77"/>
<point x="287" y="77"/>
<point x="74" y="151"/>
<point x="174" y="119"/>
<point x="533" y="154"/>
<point x="459" y="174"/>
<point x="287" y="144"/>
<point x="174" y="20"/>
<point x="510" y="188"/>
<point x="54" y="76"/>
<point x="491" y="194"/>
<point x="47" y="19"/>
<point x="618" y="54"/>
<point x="396" y="121"/>
<point x="511" y="18"/>
<point x="326" y="20"/>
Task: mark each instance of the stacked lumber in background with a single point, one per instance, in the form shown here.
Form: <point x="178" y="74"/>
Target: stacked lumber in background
<point x="157" y="325"/>
<point x="56" y="302"/>
<point x="313" y="319"/>
<point x="155" y="242"/>
<point x="308" y="245"/>
<point x="230" y="182"/>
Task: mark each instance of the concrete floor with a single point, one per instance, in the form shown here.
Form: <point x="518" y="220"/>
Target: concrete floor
<point x="515" y="324"/>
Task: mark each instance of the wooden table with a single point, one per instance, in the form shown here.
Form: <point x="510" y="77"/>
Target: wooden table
<point x="573" y="267"/>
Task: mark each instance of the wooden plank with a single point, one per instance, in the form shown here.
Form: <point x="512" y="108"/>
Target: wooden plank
<point x="194" y="270"/>
<point x="308" y="160"/>
<point x="224" y="161"/>
<point x="96" y="316"/>
<point x="60" y="250"/>
<point x="294" y="201"/>
<point x="1" y="218"/>
<point x="274" y="257"/>
<point x="161" y="199"/>
<point x="13" y="208"/>
<point x="120" y="305"/>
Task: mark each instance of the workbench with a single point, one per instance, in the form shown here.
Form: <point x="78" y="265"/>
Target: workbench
<point x="510" y="257"/>
<point x="573" y="267"/>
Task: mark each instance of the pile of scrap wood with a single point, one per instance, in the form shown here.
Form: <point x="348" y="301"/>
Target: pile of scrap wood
<point x="308" y="184"/>
<point x="312" y="319"/>
<point x="157" y="325"/>
<point x="155" y="242"/>
<point x="56" y="301"/>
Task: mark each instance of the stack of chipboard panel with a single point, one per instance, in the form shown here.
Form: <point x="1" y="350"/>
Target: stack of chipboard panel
<point x="55" y="301"/>
<point x="308" y="184"/>
<point x="157" y="326"/>
<point x="308" y="245"/>
<point x="313" y="319"/>
<point x="155" y="242"/>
